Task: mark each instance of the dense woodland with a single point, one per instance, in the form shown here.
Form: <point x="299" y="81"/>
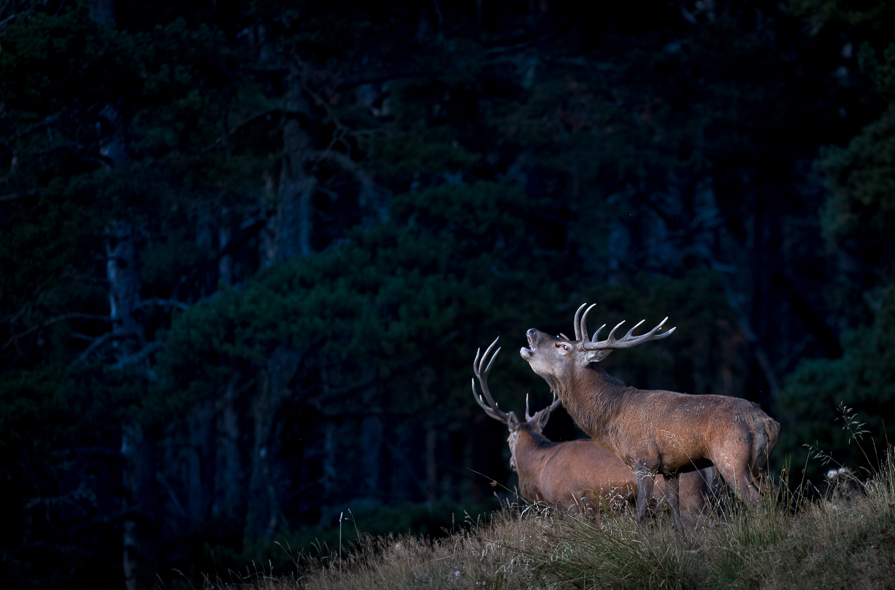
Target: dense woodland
<point x="249" y="250"/>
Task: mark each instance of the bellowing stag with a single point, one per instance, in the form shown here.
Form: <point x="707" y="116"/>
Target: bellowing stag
<point x="653" y="431"/>
<point x="578" y="475"/>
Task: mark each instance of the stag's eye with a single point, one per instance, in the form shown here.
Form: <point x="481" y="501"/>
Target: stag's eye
<point x="565" y="347"/>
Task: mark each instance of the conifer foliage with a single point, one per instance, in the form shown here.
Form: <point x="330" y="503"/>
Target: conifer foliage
<point x="248" y="249"/>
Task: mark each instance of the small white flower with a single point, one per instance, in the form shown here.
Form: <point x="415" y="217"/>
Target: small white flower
<point x="457" y="574"/>
<point x="832" y="473"/>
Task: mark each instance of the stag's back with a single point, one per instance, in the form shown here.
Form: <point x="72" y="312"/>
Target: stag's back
<point x="580" y="475"/>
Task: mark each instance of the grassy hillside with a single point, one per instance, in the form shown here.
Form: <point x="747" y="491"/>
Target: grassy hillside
<point x="839" y="534"/>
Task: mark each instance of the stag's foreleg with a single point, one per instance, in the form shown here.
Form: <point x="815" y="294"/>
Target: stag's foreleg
<point x="673" y="493"/>
<point x="645" y="478"/>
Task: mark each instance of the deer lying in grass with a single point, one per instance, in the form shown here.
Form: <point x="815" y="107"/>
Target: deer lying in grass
<point x="576" y="476"/>
<point x="653" y="431"/>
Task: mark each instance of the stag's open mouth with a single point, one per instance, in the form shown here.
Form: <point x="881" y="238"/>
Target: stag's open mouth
<point x="528" y="352"/>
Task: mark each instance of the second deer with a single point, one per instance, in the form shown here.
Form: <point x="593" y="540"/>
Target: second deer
<point x="578" y="475"/>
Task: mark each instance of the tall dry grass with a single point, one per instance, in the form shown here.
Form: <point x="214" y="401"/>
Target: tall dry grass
<point x="843" y="539"/>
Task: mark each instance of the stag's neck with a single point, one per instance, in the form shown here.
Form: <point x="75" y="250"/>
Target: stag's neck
<point x="595" y="402"/>
<point x="532" y="441"/>
<point x="533" y="450"/>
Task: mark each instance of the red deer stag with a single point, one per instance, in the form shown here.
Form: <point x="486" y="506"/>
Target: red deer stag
<point x="577" y="475"/>
<point x="653" y="431"/>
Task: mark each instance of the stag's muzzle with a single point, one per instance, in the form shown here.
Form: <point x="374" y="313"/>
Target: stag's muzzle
<point x="531" y="335"/>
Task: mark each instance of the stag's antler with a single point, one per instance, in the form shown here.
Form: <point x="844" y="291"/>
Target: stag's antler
<point x="611" y="342"/>
<point x="549" y="409"/>
<point x="491" y="409"/>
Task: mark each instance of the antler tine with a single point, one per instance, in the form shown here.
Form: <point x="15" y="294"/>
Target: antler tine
<point x="556" y="403"/>
<point x="631" y="331"/>
<point x="577" y="324"/>
<point x="611" y="337"/>
<point x="584" y="336"/>
<point x="482" y="375"/>
<point x="651" y="335"/>
<point x="488" y="410"/>
<point x="628" y="340"/>
<point x="477" y="366"/>
<point x="542" y="415"/>
<point x="663" y="334"/>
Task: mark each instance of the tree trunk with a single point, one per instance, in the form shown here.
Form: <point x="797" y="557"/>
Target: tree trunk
<point x="267" y="246"/>
<point x="288" y="234"/>
<point x="124" y="283"/>
<point x="140" y="529"/>
<point x="228" y="473"/>
<point x="137" y="447"/>
<point x="264" y="514"/>
<point x="294" y="214"/>
<point x="225" y="264"/>
<point x="200" y="461"/>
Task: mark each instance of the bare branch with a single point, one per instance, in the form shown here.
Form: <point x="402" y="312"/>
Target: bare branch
<point x="688" y="16"/>
<point x="7" y="19"/>
<point x="99" y="342"/>
<point x="163" y="303"/>
<point x="353" y="81"/>
<point x="61" y="318"/>
<point x="346" y="164"/>
<point x="159" y="477"/>
<point x="385" y="77"/>
<point x="240" y="126"/>
<point x="34" y="126"/>
<point x="138" y="356"/>
<point x="518" y="46"/>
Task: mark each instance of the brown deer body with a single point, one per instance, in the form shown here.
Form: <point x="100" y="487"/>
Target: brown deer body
<point x="653" y="431"/>
<point x="576" y="476"/>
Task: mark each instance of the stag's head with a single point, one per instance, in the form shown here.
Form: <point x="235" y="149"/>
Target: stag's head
<point x="562" y="361"/>
<point x="533" y="424"/>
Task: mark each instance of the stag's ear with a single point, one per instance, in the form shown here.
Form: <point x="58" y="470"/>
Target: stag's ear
<point x="513" y="422"/>
<point x="543" y="416"/>
<point x="595" y="356"/>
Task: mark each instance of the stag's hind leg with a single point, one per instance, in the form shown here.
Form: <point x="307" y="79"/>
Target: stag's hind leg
<point x="744" y="486"/>
<point x="751" y="454"/>
<point x="738" y="475"/>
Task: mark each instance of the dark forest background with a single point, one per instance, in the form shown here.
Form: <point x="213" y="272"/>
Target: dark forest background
<point x="249" y="250"/>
